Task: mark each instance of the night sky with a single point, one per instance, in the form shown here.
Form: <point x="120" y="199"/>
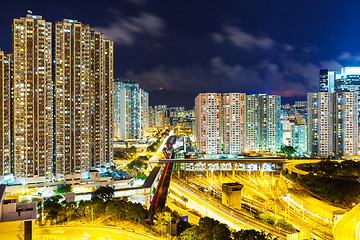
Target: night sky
<point x="176" y="49"/>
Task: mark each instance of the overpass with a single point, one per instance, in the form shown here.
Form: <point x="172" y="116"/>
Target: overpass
<point x="194" y="165"/>
<point x="225" y="165"/>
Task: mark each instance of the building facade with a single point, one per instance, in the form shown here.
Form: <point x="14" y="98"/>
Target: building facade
<point x="59" y="109"/>
<point x="32" y="98"/>
<point x="346" y="123"/>
<point x="220" y="123"/>
<point x="270" y="124"/>
<point x="131" y="108"/>
<point x="83" y="76"/>
<point x="299" y="140"/>
<point x="252" y="123"/>
<point x="327" y="80"/>
<point x="320" y="123"/>
<point x="332" y="124"/>
<point x="234" y="123"/>
<point x="209" y="122"/>
<point x="72" y="109"/>
<point x="5" y="111"/>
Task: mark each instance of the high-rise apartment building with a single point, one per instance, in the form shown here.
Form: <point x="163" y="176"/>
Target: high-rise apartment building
<point x="221" y="123"/>
<point x="270" y="124"/>
<point x="57" y="93"/>
<point x="5" y="111"/>
<point x="299" y="139"/>
<point x="117" y="85"/>
<point x="145" y="117"/>
<point x="32" y="97"/>
<point x="346" y="123"/>
<point x="263" y="123"/>
<point x="72" y="92"/>
<point x="252" y="123"/>
<point x="107" y="102"/>
<point x="101" y="99"/>
<point x="234" y="123"/>
<point x="320" y="123"/>
<point x="160" y="116"/>
<point x="332" y="123"/>
<point x="130" y="110"/>
<point x="327" y="80"/>
<point x="83" y="75"/>
<point x="209" y="122"/>
<point x="345" y="80"/>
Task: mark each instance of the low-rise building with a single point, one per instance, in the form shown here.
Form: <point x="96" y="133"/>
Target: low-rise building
<point x="231" y="194"/>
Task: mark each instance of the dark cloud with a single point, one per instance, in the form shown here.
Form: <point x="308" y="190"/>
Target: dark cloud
<point x="242" y="39"/>
<point x="288" y="78"/>
<point x="349" y="57"/>
<point x="125" y="30"/>
<point x="137" y="2"/>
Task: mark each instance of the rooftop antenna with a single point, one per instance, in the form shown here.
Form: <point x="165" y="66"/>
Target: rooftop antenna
<point x="29" y="12"/>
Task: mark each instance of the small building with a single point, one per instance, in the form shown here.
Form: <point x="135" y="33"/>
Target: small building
<point x="231" y="194"/>
<point x="17" y="215"/>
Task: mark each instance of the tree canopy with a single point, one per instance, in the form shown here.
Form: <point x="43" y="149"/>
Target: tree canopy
<point x="102" y="192"/>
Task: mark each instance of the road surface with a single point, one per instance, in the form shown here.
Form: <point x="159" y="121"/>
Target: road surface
<point x="87" y="233"/>
<point x="348" y="226"/>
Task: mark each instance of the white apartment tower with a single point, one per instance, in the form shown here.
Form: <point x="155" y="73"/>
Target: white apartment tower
<point x="346" y="123"/>
<point x="130" y="110"/>
<point x="221" y="123"/>
<point x="208" y="121"/>
<point x="252" y="123"/>
<point x="32" y="97"/>
<point x="320" y="123"/>
<point x="270" y="122"/>
<point x="234" y="123"/>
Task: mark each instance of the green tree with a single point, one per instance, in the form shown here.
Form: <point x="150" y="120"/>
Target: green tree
<point x="102" y="192"/>
<point x="190" y="233"/>
<point x="288" y="150"/>
<point x="137" y="166"/>
<point x="208" y="229"/>
<point x="63" y="188"/>
<point x="252" y="235"/>
<point x="221" y="232"/>
<point x="52" y="207"/>
<point x="162" y="222"/>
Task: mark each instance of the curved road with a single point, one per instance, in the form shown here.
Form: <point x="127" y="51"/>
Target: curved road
<point x="348" y="226"/>
<point x="87" y="233"/>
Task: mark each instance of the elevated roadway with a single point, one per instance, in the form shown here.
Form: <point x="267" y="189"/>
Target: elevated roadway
<point x="348" y="226"/>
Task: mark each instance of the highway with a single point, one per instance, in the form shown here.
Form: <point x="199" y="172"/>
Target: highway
<point x="266" y="192"/>
<point x="158" y="155"/>
<point x="348" y="226"/>
<point x="207" y="208"/>
<point x="88" y="233"/>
